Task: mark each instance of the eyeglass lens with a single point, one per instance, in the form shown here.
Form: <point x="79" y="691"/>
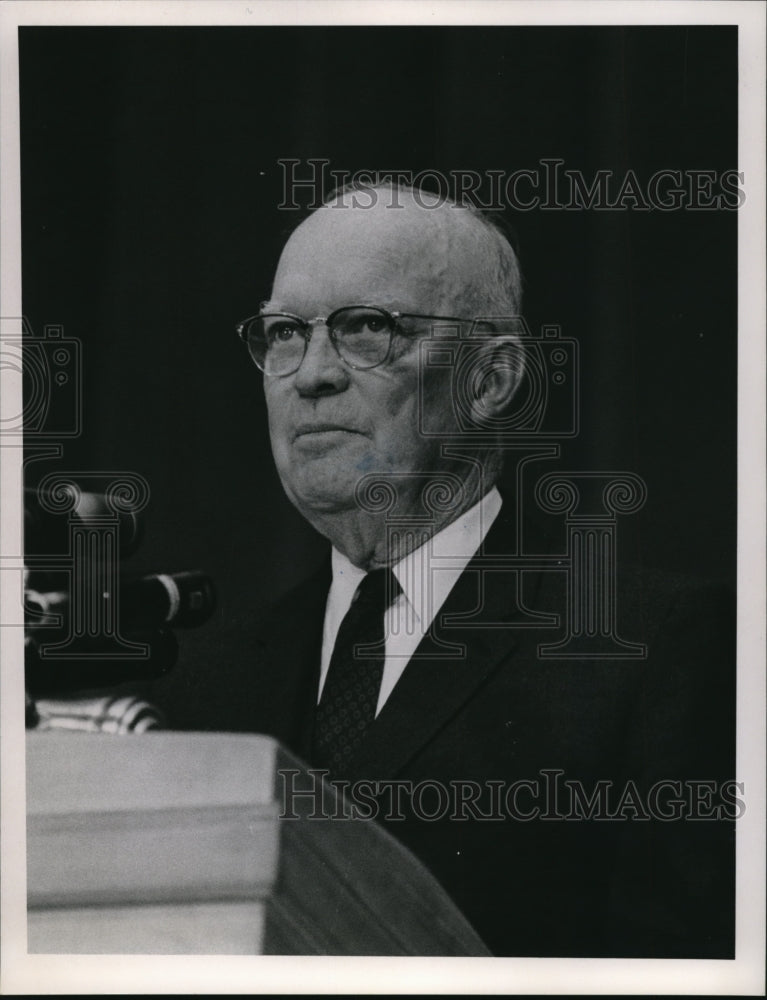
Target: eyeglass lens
<point x="361" y="335"/>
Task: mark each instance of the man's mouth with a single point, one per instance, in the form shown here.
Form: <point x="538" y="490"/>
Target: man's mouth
<point x="321" y="427"/>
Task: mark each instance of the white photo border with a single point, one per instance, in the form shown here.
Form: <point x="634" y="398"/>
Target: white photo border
<point x="64" y="974"/>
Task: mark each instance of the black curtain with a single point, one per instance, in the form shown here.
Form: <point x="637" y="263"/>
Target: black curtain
<point x="150" y="219"/>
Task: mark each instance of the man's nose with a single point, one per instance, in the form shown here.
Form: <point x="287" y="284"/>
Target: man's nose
<point x="322" y="372"/>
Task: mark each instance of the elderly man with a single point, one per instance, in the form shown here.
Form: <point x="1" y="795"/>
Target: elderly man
<point x="406" y="662"/>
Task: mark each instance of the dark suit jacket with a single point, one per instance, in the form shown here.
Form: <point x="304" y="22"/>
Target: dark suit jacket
<point x="544" y="886"/>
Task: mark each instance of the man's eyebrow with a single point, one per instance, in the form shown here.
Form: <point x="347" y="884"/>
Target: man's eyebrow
<point x="390" y="305"/>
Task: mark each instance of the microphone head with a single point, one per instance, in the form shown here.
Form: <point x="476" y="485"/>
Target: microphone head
<point x="47" y="532"/>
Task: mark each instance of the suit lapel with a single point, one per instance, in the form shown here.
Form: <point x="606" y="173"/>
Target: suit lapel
<point x="434" y="685"/>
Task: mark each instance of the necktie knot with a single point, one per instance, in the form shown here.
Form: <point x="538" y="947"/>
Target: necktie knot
<point x="377" y="591"/>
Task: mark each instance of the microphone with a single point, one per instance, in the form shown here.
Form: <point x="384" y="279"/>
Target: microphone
<point x="88" y="625"/>
<point x="177" y="600"/>
<point x="181" y="600"/>
<point x="47" y="533"/>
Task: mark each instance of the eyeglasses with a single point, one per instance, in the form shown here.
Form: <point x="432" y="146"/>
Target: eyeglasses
<point x="361" y="335"/>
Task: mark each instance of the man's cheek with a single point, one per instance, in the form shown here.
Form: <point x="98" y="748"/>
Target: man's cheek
<point x="436" y="401"/>
<point x="284" y="459"/>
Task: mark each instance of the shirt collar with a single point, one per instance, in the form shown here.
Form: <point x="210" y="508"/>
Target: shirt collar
<point x="346" y="578"/>
<point x="428" y="573"/>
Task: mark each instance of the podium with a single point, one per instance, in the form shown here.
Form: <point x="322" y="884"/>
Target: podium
<point x="200" y="843"/>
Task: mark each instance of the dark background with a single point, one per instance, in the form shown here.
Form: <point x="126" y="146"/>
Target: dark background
<point x="150" y="226"/>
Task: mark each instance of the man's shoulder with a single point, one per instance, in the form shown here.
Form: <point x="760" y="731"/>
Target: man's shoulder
<point x="644" y="595"/>
<point x="660" y="599"/>
<point x="246" y="661"/>
<point x="302" y="601"/>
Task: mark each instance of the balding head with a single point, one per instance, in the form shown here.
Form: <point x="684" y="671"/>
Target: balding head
<point x="441" y="258"/>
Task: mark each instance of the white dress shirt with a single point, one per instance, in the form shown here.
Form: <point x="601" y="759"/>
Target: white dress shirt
<point x="425" y="587"/>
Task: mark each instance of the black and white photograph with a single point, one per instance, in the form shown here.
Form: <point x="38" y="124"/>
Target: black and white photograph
<point x="383" y="497"/>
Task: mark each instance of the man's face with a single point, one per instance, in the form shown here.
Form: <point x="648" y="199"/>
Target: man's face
<point x="331" y="425"/>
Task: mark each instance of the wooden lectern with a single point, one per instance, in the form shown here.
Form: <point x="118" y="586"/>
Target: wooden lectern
<point x="198" y="843"/>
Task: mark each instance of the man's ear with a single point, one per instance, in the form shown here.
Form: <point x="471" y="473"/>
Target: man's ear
<point x="497" y="377"/>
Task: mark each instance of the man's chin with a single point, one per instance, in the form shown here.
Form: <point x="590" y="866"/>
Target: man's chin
<point x="321" y="473"/>
<point x="322" y="495"/>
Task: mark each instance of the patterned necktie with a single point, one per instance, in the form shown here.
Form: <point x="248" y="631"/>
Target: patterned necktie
<point x="350" y="695"/>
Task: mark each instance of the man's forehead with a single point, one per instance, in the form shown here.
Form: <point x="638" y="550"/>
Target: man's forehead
<point x="402" y="225"/>
<point x="408" y="257"/>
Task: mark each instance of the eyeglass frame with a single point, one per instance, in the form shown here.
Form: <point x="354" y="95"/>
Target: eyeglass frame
<point x="308" y="324"/>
